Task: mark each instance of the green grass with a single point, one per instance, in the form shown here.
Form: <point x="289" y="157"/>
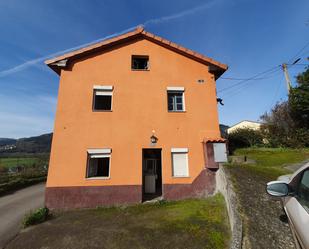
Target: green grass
<point x="272" y="161"/>
<point x="15" y="161"/>
<point x="204" y="220"/>
<point x="194" y="223"/>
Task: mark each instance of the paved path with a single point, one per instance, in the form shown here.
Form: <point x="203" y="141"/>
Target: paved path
<point x="296" y="166"/>
<point x="13" y="208"/>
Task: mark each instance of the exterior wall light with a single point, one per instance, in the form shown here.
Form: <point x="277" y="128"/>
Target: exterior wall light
<point x="153" y="139"/>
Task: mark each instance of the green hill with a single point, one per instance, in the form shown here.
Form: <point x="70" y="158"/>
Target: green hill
<point x="37" y="144"/>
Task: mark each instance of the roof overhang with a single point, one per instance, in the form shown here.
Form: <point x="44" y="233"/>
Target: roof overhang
<point x="60" y="62"/>
<point x="214" y="140"/>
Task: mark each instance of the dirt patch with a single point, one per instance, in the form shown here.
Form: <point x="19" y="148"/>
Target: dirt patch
<point x="262" y="215"/>
<point x="201" y="223"/>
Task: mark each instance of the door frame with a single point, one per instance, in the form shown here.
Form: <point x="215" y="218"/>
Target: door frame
<point x="143" y="178"/>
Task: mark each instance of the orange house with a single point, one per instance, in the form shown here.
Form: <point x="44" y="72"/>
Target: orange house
<point x="136" y="119"/>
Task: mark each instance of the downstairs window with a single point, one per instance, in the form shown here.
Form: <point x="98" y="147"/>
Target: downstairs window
<point x="98" y="163"/>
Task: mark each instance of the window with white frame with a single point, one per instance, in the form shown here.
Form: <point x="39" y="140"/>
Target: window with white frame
<point x="102" y="99"/>
<point x="175" y="99"/>
<point x="180" y="162"/>
<point x="98" y="164"/>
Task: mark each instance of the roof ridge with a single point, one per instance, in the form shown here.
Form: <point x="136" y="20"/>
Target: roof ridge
<point x="61" y="60"/>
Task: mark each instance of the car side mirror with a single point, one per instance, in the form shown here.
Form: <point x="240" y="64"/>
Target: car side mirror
<point x="277" y="188"/>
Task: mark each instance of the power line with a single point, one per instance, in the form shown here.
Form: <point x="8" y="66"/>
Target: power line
<point x="276" y="94"/>
<point x="243" y="82"/>
<point x="298" y="64"/>
<point x="232" y="78"/>
<point x="271" y="70"/>
<point x="234" y="92"/>
<point x="302" y="49"/>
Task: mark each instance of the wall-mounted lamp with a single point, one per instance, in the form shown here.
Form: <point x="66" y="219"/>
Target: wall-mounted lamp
<point x="153" y="138"/>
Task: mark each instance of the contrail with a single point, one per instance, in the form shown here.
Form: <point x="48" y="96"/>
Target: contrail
<point x="159" y="20"/>
<point x="41" y="59"/>
<point x="181" y="14"/>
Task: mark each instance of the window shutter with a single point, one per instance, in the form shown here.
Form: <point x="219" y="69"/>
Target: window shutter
<point x="220" y="153"/>
<point x="103" y="93"/>
<point x="180" y="164"/>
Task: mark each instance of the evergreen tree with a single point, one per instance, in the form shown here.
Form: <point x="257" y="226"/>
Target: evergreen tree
<point x="299" y="101"/>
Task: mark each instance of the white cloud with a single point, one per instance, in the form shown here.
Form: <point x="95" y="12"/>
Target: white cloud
<point x="23" y="115"/>
<point x="16" y="125"/>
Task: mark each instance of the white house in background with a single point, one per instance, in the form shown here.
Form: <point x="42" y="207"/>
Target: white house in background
<point x="245" y="124"/>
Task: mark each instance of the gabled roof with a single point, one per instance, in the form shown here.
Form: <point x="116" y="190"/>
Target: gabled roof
<point x="249" y="121"/>
<point x="62" y="61"/>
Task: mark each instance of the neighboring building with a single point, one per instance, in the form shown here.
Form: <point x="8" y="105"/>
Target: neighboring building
<point x="244" y="124"/>
<point x="136" y="119"/>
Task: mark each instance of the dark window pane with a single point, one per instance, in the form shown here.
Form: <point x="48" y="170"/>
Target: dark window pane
<point x="103" y="167"/>
<point x="98" y="167"/>
<point x="303" y="191"/>
<point x="175" y="101"/>
<point x="170" y="101"/>
<point x="179" y="99"/>
<point x="103" y="102"/>
<point x="140" y="62"/>
<point x="179" y="107"/>
<point x="170" y="107"/>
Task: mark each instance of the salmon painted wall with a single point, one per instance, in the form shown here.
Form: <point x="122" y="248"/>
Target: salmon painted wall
<point x="139" y="106"/>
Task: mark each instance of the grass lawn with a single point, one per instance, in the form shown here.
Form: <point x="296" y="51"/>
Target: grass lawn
<point x="261" y="213"/>
<point x="195" y="223"/>
<point x="271" y="162"/>
<point x="14" y="161"/>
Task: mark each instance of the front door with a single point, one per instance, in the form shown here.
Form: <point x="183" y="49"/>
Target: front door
<point x="152" y="174"/>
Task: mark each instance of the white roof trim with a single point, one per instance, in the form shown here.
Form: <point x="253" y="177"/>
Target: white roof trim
<point x="179" y="150"/>
<point x="175" y="88"/>
<point x="104" y="88"/>
<point x="100" y="151"/>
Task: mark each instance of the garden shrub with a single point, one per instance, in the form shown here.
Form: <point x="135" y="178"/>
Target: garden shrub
<point x="35" y="217"/>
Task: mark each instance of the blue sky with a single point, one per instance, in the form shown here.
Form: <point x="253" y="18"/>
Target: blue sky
<point x="250" y="36"/>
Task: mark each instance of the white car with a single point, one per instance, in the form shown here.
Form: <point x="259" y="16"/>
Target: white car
<point x="294" y="193"/>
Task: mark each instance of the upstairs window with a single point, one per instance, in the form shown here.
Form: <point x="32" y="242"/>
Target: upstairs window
<point x="98" y="163"/>
<point x="140" y="62"/>
<point x="175" y="99"/>
<point x="102" y="99"/>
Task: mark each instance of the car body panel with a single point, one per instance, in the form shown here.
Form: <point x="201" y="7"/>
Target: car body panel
<point x="297" y="215"/>
<point x="299" y="220"/>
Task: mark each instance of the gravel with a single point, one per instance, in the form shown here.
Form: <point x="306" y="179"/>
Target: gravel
<point x="264" y="220"/>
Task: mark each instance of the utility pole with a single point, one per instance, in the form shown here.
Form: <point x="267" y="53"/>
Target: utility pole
<point x="287" y="77"/>
<point x="284" y="67"/>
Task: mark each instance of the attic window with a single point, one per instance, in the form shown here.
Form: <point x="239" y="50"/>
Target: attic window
<point x="140" y="62"/>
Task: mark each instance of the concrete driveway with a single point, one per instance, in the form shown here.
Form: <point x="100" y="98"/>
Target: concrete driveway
<point x="14" y="206"/>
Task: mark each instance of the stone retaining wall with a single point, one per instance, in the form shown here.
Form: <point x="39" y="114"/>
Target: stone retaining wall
<point x="224" y="186"/>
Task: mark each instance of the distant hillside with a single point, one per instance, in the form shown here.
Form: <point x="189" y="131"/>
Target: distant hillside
<point x="38" y="144"/>
<point x="7" y="141"/>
